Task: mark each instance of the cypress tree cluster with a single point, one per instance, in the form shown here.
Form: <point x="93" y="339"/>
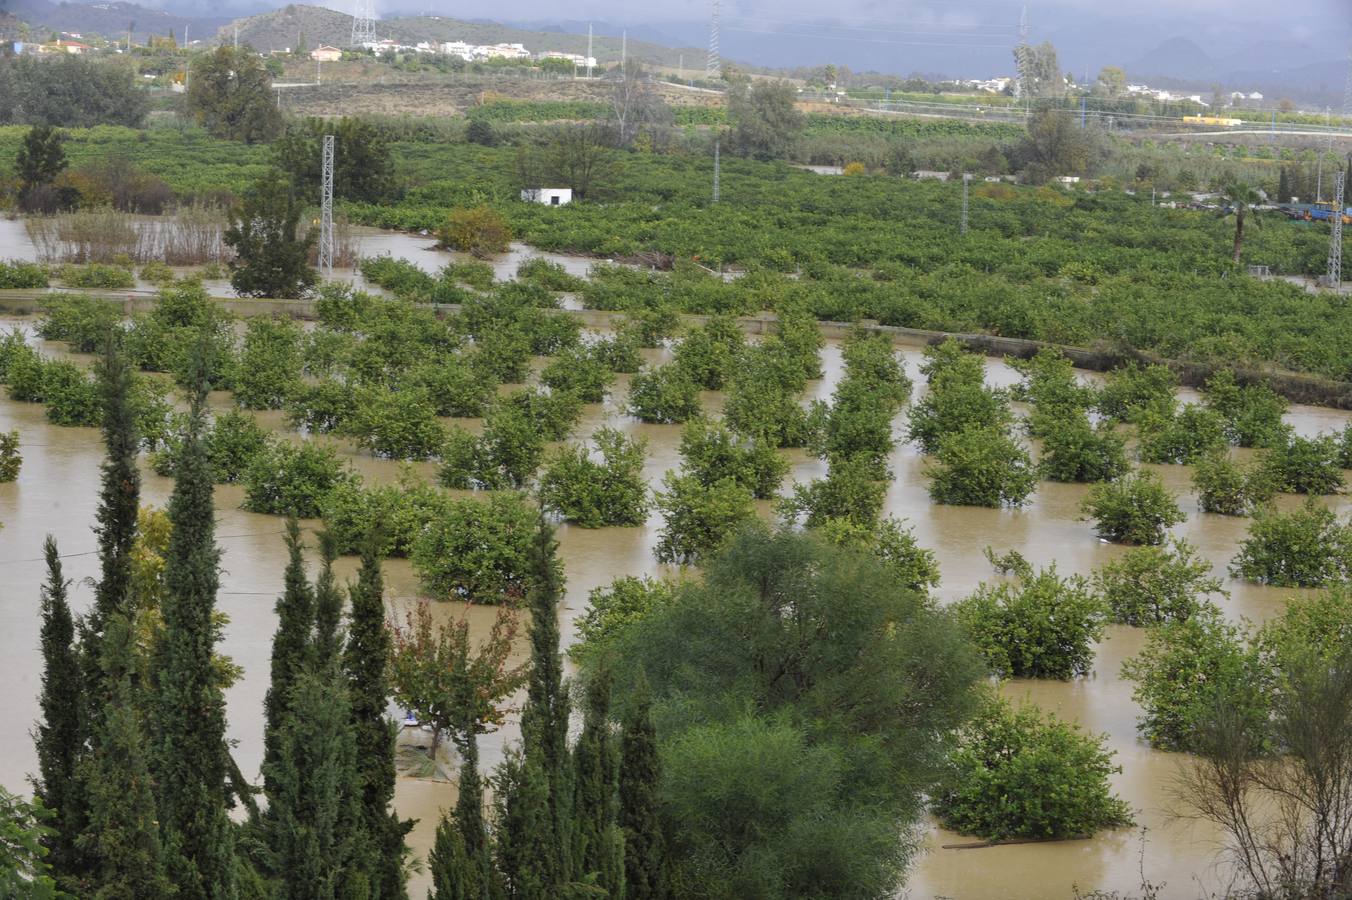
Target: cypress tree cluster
<point x="138" y="770"/>
<point x="567" y="821"/>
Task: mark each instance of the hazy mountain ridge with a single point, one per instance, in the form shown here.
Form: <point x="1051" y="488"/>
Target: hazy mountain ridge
<point x="111" y="20"/>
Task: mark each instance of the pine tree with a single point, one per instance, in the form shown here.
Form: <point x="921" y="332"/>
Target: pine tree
<point x="314" y="808"/>
<point x="328" y="605"/>
<point x="644" y="849"/>
<point x="123" y="838"/>
<point x="290" y="647"/>
<point x="365" y="661"/>
<point x="1284" y="186"/>
<point x="60" y="734"/>
<point x="595" y="796"/>
<point x="119" y="493"/>
<point x="191" y="762"/>
<point x="544" y="719"/>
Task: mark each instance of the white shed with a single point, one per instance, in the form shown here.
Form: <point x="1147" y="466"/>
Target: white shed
<point x="548" y="196"/>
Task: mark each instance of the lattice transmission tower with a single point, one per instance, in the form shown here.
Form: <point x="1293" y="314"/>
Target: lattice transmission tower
<point x="326" y="210"/>
<point x="1023" y="58"/>
<point x="713" y="64"/>
<point x="364" y="23"/>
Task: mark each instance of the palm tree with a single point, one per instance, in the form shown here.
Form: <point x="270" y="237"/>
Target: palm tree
<point x="1240" y="198"/>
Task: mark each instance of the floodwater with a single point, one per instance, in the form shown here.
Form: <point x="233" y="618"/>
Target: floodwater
<point x="57" y="490"/>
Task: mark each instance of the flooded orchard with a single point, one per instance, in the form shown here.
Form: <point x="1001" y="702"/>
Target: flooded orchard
<point x="56" y="494"/>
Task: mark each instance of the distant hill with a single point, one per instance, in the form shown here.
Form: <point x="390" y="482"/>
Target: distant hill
<point x="110" y="20"/>
<point x="317" y="25"/>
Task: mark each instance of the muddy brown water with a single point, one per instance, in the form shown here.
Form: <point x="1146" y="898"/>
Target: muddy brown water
<point x="57" y="490"/>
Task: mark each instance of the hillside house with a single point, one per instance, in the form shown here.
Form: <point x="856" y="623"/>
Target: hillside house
<point x="548" y="196"/>
<point x="326" y="54"/>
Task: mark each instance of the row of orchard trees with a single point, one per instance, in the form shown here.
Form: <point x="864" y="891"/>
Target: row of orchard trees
<point x="133" y="758"/>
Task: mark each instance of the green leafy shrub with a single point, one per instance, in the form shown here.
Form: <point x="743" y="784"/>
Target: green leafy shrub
<point x="851" y="490"/>
<point x="549" y="275"/>
<point x="11" y="459"/>
<point x="1042" y="626"/>
<point x="1020" y="774"/>
<point x="980" y="466"/>
<point x="506" y="455"/>
<point x="652" y="325"/>
<point x="578" y="372"/>
<point x="553" y="413"/>
<point x="857" y="422"/>
<point x="1226" y="488"/>
<point x="323" y="407"/>
<point x="503" y="354"/>
<point x="1252" y="413"/>
<point x="1182" y="437"/>
<point x="1305" y="465"/>
<point x="711" y="452"/>
<point x="1136" y="509"/>
<point x="955" y="404"/>
<point x="709" y="354"/>
<point x="915" y="568"/>
<point x="477" y="550"/>
<point x="665" y="395"/>
<point x="80" y="320"/>
<point x="480" y="232"/>
<point x="72" y="398"/>
<point x="1050" y="385"/>
<point x="396" y="424"/>
<point x="26" y="374"/>
<point x="762" y="400"/>
<point x="1130" y="390"/>
<point x="698" y="517"/>
<point x="595" y="493"/>
<point x="1185" y="669"/>
<point x="1153" y="585"/>
<point x="1073" y="450"/>
<point x="293" y="479"/>
<point x="17" y="274"/>
<point x="157" y="273"/>
<point x="398" y="513"/>
<point x="269" y="363"/>
<point x="453" y="386"/>
<point x="613" y="608"/>
<point x="473" y="272"/>
<point x="98" y="275"/>
<point x="870" y="359"/>
<point x="618" y="353"/>
<point x="1307" y="547"/>
<point x="170" y="336"/>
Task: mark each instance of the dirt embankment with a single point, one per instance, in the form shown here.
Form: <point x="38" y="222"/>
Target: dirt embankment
<point x="355" y="90"/>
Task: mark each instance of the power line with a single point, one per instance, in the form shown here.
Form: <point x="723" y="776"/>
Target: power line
<point x="1334" y="278"/>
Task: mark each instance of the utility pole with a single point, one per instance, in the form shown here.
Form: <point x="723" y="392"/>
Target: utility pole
<point x="589" y="50"/>
<point x="966" y="180"/>
<point x="716" y="170"/>
<point x="1334" y="277"/>
<point x="236" y="38"/>
<point x="624" y="50"/>
<point x="318" y="63"/>
<point x="326" y="210"/>
<point x="713" y="64"/>
<point x="1083" y="105"/>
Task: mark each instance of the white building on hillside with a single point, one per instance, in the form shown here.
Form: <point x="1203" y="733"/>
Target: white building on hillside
<point x="548" y="196"/>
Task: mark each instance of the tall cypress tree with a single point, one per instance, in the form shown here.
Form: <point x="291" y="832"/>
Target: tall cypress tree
<point x="119" y="492"/>
<point x="525" y="848"/>
<point x="123" y="838"/>
<point x="314" y="810"/>
<point x="190" y="761"/>
<point x="328" y="605"/>
<point x="460" y="862"/>
<point x="366" y="661"/>
<point x="598" y="843"/>
<point x="544" y="719"/>
<point x="645" y="864"/>
<point x="290" y="647"/>
<point x="1284" y="186"/>
<point x="59" y="738"/>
